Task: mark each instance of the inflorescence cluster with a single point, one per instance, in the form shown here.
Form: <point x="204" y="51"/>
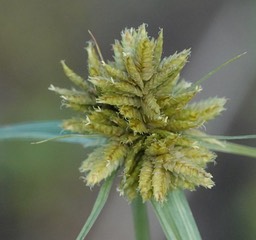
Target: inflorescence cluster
<point x="141" y="105"/>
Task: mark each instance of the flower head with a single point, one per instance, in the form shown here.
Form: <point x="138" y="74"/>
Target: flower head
<point x="140" y="104"/>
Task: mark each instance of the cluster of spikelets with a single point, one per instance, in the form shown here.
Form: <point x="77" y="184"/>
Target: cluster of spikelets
<point x="140" y="104"/>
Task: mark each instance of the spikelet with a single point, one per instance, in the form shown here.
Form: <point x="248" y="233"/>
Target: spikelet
<point x="181" y="125"/>
<point x="132" y="71"/>
<point x="73" y="96"/>
<point x="131" y="156"/>
<point x="91" y="160"/>
<point x="78" y="107"/>
<point x="190" y="172"/>
<point x="160" y="181"/>
<point x="137" y="126"/>
<point x="157" y="148"/>
<point x="112" y="157"/>
<point x="84" y="126"/>
<point x="130" y="112"/>
<point x="150" y="107"/>
<point x="94" y="64"/>
<point x="144" y="58"/>
<point x="145" y="179"/>
<point x="108" y="117"/>
<point x="127" y="89"/>
<point x="118" y="56"/>
<point x="128" y="40"/>
<point x="129" y="185"/>
<point x="158" y="50"/>
<point x="76" y="79"/>
<point x="76" y="125"/>
<point x="103" y="129"/>
<point x="110" y="87"/>
<point x="175" y="103"/>
<point x="115" y="118"/>
<point x="205" y="110"/>
<point x="119" y="100"/>
<point x="115" y="73"/>
<point x="199" y="156"/>
<point x="168" y="72"/>
<point x="102" y="83"/>
<point x="128" y="138"/>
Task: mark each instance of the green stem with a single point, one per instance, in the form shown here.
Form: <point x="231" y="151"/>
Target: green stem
<point x="98" y="205"/>
<point x="140" y="219"/>
<point x="176" y="217"/>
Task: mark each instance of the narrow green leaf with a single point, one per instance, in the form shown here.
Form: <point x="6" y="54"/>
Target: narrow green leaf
<point x="140" y="219"/>
<point x="215" y="143"/>
<point x="98" y="206"/>
<point x="228" y="147"/>
<point x="31" y="130"/>
<point x="222" y="137"/>
<point x="46" y="131"/>
<point x="216" y="70"/>
<point x="176" y="217"/>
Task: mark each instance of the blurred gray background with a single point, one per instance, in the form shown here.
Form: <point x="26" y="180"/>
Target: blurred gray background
<point x="41" y="195"/>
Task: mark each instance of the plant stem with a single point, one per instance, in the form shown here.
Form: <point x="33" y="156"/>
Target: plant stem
<point x="140" y="219"/>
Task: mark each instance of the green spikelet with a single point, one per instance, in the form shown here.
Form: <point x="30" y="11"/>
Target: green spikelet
<point x="137" y="126"/>
<point x="168" y="72"/>
<point x="132" y="71"/>
<point x="160" y="181"/>
<point x="207" y="109"/>
<point x="157" y="148"/>
<point x="113" y="155"/>
<point x="158" y="50"/>
<point x="199" y="156"/>
<point x="150" y="107"/>
<point x="139" y="103"/>
<point x="130" y="112"/>
<point x="128" y="40"/>
<point x="118" y="55"/>
<point x="132" y="154"/>
<point x="73" y="96"/>
<point x="144" y="58"/>
<point x="94" y="64"/>
<point x="181" y="125"/>
<point x="145" y="180"/>
<point x="119" y="100"/>
<point x="129" y="186"/>
<point x="103" y="129"/>
<point x="127" y="89"/>
<point x="102" y="83"/>
<point x="76" y="79"/>
<point x="192" y="173"/>
<point x="115" y="73"/>
<point x="76" y="125"/>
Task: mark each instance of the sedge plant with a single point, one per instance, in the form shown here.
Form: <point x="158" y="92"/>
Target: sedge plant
<point x="136" y="111"/>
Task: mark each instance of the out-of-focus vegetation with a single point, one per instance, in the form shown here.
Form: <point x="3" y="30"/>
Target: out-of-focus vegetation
<point x="41" y="195"/>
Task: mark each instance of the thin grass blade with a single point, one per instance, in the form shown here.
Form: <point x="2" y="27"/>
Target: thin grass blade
<point x="176" y="217"/>
<point x="198" y="82"/>
<point x="46" y="131"/>
<point x="218" y="143"/>
<point x="228" y="147"/>
<point x="98" y="206"/>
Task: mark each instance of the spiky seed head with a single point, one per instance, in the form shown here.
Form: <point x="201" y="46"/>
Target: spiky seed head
<point x="140" y="104"/>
